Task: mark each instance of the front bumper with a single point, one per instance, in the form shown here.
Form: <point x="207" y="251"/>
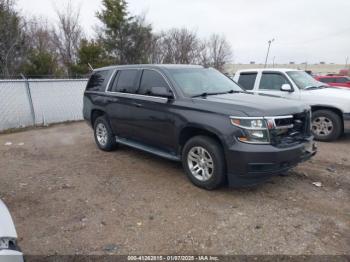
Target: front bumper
<point x="11" y="256"/>
<point x="346" y="118"/>
<point x="249" y="164"/>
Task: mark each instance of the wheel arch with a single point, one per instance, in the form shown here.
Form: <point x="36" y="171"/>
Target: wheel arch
<point x="187" y="132"/>
<point x="330" y="108"/>
<point x="95" y="114"/>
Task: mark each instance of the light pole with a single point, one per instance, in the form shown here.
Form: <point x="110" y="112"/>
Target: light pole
<point x="268" y="50"/>
<point x="346" y="61"/>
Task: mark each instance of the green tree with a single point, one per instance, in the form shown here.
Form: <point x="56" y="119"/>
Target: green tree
<point x="40" y="64"/>
<point x="12" y="40"/>
<point x="41" y="59"/>
<point x="90" y="53"/>
<point x="126" y="38"/>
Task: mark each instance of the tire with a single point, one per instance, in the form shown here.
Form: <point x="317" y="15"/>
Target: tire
<point x="326" y="125"/>
<point x="212" y="178"/>
<point x="104" y="137"/>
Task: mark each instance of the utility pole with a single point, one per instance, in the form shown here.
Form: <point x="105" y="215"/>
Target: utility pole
<point x="346" y="61"/>
<point x="268" y="50"/>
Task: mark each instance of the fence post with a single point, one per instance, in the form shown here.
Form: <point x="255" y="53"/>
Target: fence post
<point x="29" y="94"/>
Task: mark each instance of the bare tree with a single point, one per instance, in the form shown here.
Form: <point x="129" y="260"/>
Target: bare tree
<point x="156" y="53"/>
<point x="40" y="36"/>
<point x="182" y="46"/>
<point x="219" y="51"/>
<point x="67" y="35"/>
<point x="176" y="46"/>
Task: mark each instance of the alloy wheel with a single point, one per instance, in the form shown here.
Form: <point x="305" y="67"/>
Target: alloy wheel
<point x="101" y="134"/>
<point x="200" y="163"/>
<point x="322" y="126"/>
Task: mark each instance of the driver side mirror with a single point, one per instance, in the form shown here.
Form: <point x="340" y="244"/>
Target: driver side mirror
<point x="286" y="88"/>
<point x="161" y="92"/>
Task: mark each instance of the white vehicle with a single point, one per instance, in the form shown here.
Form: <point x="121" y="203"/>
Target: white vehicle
<point x="9" y="251"/>
<point x="330" y="105"/>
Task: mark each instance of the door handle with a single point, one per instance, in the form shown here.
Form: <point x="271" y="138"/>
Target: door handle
<point x="112" y="100"/>
<point x="137" y="104"/>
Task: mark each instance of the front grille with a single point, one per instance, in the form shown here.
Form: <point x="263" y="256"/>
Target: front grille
<point x="290" y="130"/>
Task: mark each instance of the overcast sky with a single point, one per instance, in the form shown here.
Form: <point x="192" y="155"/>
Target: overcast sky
<point x="305" y="30"/>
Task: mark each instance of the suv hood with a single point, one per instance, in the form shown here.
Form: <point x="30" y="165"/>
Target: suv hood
<point x="337" y="97"/>
<point x="254" y="105"/>
<point x="7" y="228"/>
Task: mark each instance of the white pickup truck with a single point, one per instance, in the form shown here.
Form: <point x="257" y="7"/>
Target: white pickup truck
<point x="330" y="105"/>
<point x="9" y="251"/>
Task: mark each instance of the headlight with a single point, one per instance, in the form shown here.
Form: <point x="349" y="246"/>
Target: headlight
<point x="254" y="130"/>
<point x="7" y="243"/>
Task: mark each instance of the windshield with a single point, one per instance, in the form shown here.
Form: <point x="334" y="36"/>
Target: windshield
<point x="197" y="81"/>
<point x="303" y="80"/>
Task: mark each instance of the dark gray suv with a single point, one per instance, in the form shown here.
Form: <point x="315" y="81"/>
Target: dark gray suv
<point x="200" y="117"/>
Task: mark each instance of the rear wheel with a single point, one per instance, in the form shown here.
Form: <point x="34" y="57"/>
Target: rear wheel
<point x="326" y="125"/>
<point x="104" y="137"/>
<point x="204" y="163"/>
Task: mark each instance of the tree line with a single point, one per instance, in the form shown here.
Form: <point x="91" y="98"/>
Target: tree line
<point x="36" y="48"/>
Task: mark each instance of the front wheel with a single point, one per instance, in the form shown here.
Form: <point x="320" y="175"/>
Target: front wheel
<point x="326" y="125"/>
<point x="204" y="162"/>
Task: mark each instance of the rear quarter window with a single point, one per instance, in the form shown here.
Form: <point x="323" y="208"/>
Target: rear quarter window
<point x="99" y="80"/>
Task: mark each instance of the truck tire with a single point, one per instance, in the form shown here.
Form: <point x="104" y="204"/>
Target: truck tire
<point x="204" y="163"/>
<point x="103" y="134"/>
<point x="326" y="125"/>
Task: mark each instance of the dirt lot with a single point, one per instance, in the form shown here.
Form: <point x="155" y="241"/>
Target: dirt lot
<point x="67" y="197"/>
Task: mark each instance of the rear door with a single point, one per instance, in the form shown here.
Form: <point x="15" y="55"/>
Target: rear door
<point x="121" y="101"/>
<point x="247" y="80"/>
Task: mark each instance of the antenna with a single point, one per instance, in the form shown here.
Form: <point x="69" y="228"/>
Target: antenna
<point x="91" y="68"/>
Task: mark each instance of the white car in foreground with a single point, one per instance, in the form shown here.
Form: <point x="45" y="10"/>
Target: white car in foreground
<point x="330" y="105"/>
<point x="9" y="251"/>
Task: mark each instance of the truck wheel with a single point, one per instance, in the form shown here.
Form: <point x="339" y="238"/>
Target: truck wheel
<point x="204" y="162"/>
<point x="326" y="125"/>
<point x="104" y="137"/>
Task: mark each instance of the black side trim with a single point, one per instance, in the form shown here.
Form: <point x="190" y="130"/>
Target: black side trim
<point x="147" y="149"/>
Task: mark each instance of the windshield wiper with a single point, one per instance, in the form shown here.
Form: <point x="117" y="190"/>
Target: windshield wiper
<point x="315" y="87"/>
<point x="205" y="94"/>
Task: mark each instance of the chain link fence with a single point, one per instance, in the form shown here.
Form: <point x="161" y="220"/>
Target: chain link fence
<point x="25" y="103"/>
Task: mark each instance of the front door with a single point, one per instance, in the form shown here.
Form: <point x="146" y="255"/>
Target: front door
<point x="271" y="83"/>
<point x="121" y="104"/>
<point x="153" y="122"/>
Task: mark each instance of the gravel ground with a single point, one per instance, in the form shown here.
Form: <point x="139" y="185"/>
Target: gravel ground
<point x="67" y="197"/>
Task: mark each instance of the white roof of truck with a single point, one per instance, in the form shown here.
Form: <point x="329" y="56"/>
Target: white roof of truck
<point x="268" y="69"/>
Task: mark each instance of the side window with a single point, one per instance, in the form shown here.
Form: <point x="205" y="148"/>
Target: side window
<point x="328" y="80"/>
<point x="324" y="80"/>
<point x="113" y="85"/>
<point x="99" y="80"/>
<point x="128" y="81"/>
<point x="151" y="79"/>
<point x="342" y="80"/>
<point x="247" y="80"/>
<point x="272" y="81"/>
